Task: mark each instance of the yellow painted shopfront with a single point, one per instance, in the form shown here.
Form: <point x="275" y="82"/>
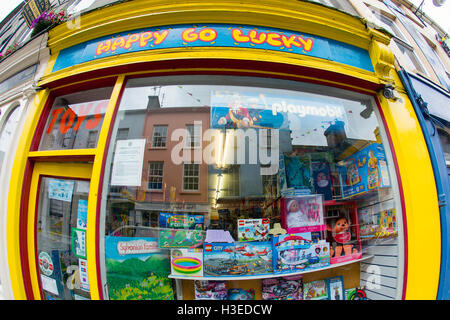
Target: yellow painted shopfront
<point x="221" y="150"/>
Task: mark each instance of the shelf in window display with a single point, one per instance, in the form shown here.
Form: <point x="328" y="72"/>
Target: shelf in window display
<point x="272" y="275"/>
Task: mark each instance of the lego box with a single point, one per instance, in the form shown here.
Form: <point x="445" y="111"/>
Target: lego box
<point x="253" y="229"/>
<point x="237" y="259"/>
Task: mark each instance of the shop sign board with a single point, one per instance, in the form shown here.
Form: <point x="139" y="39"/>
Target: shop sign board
<point x="214" y="35"/>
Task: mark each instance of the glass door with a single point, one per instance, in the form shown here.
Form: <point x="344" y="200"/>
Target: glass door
<point x="61" y="226"/>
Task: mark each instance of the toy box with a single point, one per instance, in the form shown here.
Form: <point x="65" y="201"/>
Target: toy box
<point x="241" y="294"/>
<point x="315" y="290"/>
<point x="299" y="251"/>
<point x="364" y="171"/>
<point x="253" y="229"/>
<point x="322" y="179"/>
<point x="302" y="213"/>
<point x="287" y="288"/>
<point x="343" y="231"/>
<point x="381" y="224"/>
<point x="210" y="290"/>
<point x="186" y="262"/>
<point x="181" y="221"/>
<point x="235" y="259"/>
<point x="181" y="238"/>
<point x="335" y="288"/>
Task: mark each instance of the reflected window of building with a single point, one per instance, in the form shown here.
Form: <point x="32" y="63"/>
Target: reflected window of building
<point x="193" y="139"/>
<point x="159" y="136"/>
<point x="122" y="133"/>
<point x="155" y="175"/>
<point x="191" y="177"/>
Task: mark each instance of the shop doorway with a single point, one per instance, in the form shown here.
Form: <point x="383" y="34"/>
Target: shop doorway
<point x="57" y="242"/>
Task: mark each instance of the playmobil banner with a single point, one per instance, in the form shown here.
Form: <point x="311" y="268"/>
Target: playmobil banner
<point x="214" y="35"/>
<point x="231" y="110"/>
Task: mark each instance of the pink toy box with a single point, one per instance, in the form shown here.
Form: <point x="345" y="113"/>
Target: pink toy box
<point x="302" y="213"/>
<point x="343" y="231"/>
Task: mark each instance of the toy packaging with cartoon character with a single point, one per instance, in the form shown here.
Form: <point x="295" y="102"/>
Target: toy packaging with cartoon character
<point x="210" y="290"/>
<point x="253" y="229"/>
<point x="315" y="290"/>
<point x="299" y="252"/>
<point x="241" y="294"/>
<point x="343" y="233"/>
<point x="364" y="171"/>
<point x="286" y="288"/>
<point x="181" y="221"/>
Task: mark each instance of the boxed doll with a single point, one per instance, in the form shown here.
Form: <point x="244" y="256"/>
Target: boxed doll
<point x="299" y="251"/>
<point x="286" y="288"/>
<point x="186" y="262"/>
<point x="343" y="232"/>
<point x="253" y="229"/>
<point x="302" y="213"/>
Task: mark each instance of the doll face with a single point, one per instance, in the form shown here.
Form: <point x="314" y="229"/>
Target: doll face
<point x="341" y="225"/>
<point x="341" y="232"/>
<point x="293" y="207"/>
<point x="322" y="180"/>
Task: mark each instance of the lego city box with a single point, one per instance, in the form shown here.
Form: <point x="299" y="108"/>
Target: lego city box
<point x="237" y="259"/>
<point x="299" y="252"/>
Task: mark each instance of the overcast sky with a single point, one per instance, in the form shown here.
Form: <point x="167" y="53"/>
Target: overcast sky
<point x="441" y="15"/>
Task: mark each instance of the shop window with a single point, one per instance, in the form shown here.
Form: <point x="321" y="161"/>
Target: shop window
<point x="122" y="133"/>
<point x="159" y="136"/>
<point x="155" y="175"/>
<point x="268" y="155"/>
<point x="75" y="119"/>
<point x="193" y="139"/>
<point x="7" y="132"/>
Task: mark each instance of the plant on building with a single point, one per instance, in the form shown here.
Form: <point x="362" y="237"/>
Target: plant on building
<point x="10" y="49"/>
<point x="48" y="20"/>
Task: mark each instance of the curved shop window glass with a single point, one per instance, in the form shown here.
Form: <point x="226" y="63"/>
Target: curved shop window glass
<point x="210" y="181"/>
<point x="74" y="120"/>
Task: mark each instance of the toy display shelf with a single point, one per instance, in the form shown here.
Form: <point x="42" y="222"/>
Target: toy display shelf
<point x="272" y="275"/>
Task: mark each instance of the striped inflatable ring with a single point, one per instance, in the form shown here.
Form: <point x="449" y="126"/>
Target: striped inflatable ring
<point x="186" y="265"/>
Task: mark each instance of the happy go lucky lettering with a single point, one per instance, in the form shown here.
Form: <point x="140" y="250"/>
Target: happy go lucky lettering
<point x="145" y="39"/>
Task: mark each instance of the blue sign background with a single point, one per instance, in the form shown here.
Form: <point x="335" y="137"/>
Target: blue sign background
<point x="322" y="47"/>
